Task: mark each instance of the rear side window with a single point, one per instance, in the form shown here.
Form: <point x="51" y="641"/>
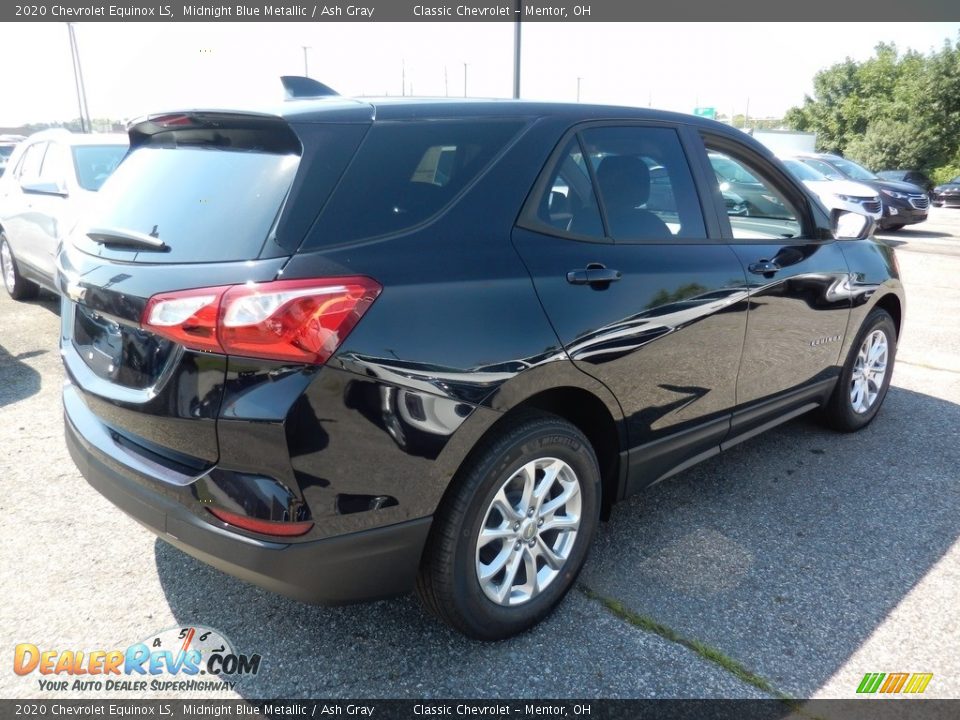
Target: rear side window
<point x="407" y="172"/>
<point x="641" y="177"/>
<point x="206" y="204"/>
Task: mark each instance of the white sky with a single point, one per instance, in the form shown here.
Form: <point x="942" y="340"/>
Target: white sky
<point x="134" y="68"/>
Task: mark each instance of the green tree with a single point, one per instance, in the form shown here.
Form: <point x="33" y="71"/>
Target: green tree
<point x="891" y="110"/>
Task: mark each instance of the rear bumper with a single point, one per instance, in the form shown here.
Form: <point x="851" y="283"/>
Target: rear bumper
<point x="359" y="566"/>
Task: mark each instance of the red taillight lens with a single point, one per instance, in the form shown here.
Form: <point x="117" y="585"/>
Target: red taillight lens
<point x="264" y="527"/>
<point x="188" y="317"/>
<point x="297" y="320"/>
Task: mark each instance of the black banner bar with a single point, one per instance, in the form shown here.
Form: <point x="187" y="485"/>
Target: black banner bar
<point x="479" y="11"/>
<point x="858" y="709"/>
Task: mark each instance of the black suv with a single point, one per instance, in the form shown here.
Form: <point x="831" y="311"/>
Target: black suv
<point x="903" y="202"/>
<point x="345" y="348"/>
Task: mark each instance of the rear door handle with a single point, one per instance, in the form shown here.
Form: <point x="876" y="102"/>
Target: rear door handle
<point x="763" y="267"/>
<point x="593" y="274"/>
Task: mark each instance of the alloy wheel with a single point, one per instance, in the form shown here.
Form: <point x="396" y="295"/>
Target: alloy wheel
<point x="528" y="531"/>
<point x="6" y="265"/>
<point x="869" y="371"/>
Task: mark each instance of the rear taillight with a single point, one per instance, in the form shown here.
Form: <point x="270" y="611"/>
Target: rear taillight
<point x="264" y="527"/>
<point x="301" y="321"/>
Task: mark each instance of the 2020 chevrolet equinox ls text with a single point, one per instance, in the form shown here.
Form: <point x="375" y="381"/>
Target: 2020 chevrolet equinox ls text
<point x="343" y="349"/>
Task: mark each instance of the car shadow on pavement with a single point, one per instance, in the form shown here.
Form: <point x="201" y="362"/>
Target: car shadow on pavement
<point x="906" y="234"/>
<point x="785" y="554"/>
<point x="20" y="381"/>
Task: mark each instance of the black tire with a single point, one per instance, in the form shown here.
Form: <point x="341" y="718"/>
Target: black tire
<point x="18" y="287"/>
<point x="448" y="582"/>
<point x="839" y="412"/>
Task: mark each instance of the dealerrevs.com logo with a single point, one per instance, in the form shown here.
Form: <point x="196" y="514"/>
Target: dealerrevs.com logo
<point x="894" y="683"/>
<point x="173" y="660"/>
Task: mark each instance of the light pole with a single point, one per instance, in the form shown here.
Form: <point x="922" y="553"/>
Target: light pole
<point x="516" y="54"/>
<point x="306" y="67"/>
<point x="578" y="88"/>
<point x="78" y="81"/>
<point x="465" y="79"/>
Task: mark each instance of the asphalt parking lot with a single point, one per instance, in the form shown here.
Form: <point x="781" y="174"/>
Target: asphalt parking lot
<point x="792" y="565"/>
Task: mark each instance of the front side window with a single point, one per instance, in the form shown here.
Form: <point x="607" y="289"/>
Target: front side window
<point x="758" y="209"/>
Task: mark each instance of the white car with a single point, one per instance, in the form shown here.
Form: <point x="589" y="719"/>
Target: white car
<point x="51" y="178"/>
<point x="837" y="194"/>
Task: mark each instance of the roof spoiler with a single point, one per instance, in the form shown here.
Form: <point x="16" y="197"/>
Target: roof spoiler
<point x="296" y="87"/>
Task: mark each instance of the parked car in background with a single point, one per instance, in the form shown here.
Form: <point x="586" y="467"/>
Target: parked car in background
<point x="948" y="194"/>
<point x="914" y="177"/>
<point x="347" y="348"/>
<point x="51" y="179"/>
<point x="7" y="144"/>
<point x="837" y="194"/>
<point x="903" y="203"/>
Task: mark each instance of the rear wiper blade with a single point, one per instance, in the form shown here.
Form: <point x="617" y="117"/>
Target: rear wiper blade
<point x="127" y="238"/>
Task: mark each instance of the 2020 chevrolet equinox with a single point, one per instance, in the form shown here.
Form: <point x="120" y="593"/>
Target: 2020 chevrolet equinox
<point x="347" y="348"/>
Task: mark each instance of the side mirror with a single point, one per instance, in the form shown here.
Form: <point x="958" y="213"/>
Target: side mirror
<point x="851" y="225"/>
<point x="45" y="187"/>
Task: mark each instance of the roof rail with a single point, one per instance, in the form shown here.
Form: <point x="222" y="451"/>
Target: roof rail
<point x="297" y="87"/>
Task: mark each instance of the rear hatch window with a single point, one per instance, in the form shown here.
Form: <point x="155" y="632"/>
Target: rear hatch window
<point x="206" y="204"/>
<point x="207" y="187"/>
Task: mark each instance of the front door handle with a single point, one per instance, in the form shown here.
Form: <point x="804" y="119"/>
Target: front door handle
<point x="594" y="274"/>
<point x="763" y="267"/>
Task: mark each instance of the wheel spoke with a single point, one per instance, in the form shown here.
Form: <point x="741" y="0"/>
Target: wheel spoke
<point x="503" y="592"/>
<point x="857" y="395"/>
<point x="531" y="587"/>
<point x="546" y="552"/>
<point x="569" y="491"/>
<point x="550" y="474"/>
<point x="560" y="523"/>
<point x="486" y="572"/>
<point x="502" y="503"/>
<point x="529" y="475"/>
<point x="488" y="535"/>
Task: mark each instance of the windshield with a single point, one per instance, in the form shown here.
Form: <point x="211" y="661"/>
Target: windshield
<point x="6" y="150"/>
<point x="94" y="163"/>
<point x="852" y="170"/>
<point x="803" y="172"/>
<point x="731" y="171"/>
